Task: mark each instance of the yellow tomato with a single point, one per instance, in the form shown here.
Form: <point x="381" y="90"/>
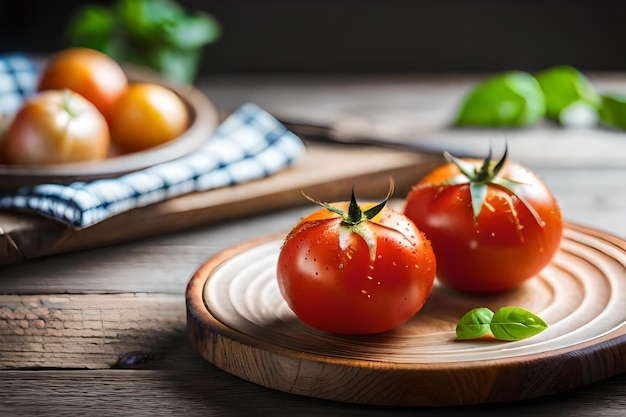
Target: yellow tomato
<point x="147" y="115"/>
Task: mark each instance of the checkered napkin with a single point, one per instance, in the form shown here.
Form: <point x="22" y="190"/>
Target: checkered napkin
<point x="18" y="78"/>
<point x="248" y="145"/>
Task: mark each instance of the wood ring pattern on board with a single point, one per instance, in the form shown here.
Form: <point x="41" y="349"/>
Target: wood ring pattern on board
<point x="238" y="321"/>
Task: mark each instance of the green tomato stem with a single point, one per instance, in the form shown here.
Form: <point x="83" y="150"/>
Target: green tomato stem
<point x="356" y="220"/>
<point x="480" y="178"/>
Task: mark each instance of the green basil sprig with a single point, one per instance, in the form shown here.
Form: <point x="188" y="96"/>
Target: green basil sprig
<point x="507" y="323"/>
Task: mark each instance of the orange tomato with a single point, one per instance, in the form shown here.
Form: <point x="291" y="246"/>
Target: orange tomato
<point x="56" y="126"/>
<point x="147" y="115"/>
<point x="88" y="72"/>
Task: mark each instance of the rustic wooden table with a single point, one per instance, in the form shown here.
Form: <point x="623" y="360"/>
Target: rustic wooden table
<point x="103" y="331"/>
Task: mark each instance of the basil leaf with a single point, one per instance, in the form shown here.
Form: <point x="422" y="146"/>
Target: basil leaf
<point x="564" y="86"/>
<point x="474" y="324"/>
<point x="510" y="99"/>
<point x="514" y="323"/>
<point x="613" y="110"/>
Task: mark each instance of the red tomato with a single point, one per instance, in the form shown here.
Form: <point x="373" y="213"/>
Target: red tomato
<point x="492" y="245"/>
<point x="343" y="273"/>
<point x="90" y="73"/>
<point x="56" y="127"/>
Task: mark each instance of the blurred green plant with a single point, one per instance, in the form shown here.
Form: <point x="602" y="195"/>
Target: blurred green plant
<point x="613" y="110"/>
<point x="509" y="99"/>
<point x="568" y="92"/>
<point x="561" y="93"/>
<point x="159" y="34"/>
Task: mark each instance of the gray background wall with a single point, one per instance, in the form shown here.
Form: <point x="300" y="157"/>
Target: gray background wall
<point x="368" y="36"/>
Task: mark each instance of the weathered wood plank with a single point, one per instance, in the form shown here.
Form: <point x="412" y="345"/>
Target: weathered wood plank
<point x="206" y="391"/>
<point x="86" y="331"/>
<point x="327" y="171"/>
<point x="123" y="305"/>
<point x="407" y="107"/>
<point x="161" y="264"/>
<point x="596" y="198"/>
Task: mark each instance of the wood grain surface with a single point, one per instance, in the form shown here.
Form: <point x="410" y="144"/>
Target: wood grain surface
<point x="327" y="172"/>
<point x="142" y="364"/>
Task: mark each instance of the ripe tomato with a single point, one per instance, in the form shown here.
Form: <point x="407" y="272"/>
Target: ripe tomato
<point x="352" y="272"/>
<point x="55" y="127"/>
<point x="147" y="115"/>
<point x="90" y="73"/>
<point x="492" y="224"/>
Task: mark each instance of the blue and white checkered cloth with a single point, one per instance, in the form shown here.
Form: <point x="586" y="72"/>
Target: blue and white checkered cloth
<point x="18" y="78"/>
<point x="250" y="144"/>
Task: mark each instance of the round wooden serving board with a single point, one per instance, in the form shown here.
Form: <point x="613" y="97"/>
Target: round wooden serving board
<point x="238" y="321"/>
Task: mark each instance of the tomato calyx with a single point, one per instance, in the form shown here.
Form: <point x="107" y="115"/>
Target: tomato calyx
<point x="479" y="179"/>
<point x="66" y="104"/>
<point x="69" y="106"/>
<point x="355" y="220"/>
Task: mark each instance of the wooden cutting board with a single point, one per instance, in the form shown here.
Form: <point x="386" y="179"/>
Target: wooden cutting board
<point x="327" y="172"/>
